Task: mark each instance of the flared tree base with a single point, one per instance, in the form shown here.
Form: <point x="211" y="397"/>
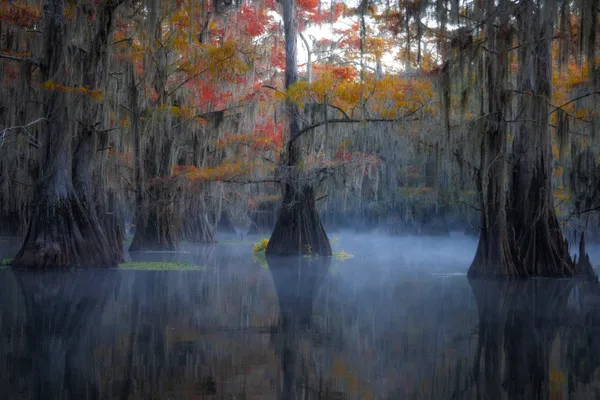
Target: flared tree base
<point x="494" y="256"/>
<point x="540" y="253"/>
<point x="298" y="229"/>
<point x="61" y="235"/>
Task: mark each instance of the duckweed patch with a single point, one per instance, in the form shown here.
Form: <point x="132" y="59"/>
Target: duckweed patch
<point x="5" y="262"/>
<point x="161" y="266"/>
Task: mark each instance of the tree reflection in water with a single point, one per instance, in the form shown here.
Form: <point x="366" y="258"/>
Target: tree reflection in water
<point x="299" y="329"/>
<point x="531" y="333"/>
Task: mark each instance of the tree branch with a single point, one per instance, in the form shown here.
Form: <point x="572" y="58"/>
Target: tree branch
<point x="24" y="128"/>
<point x="346" y="121"/>
<point x="556" y="108"/>
<point x="14" y="58"/>
<point x="586" y="211"/>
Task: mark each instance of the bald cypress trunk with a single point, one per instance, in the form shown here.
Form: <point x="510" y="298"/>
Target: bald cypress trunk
<point x="540" y="246"/>
<point x="62" y="232"/>
<point x="155" y="200"/>
<point x="155" y="221"/>
<point x="298" y="228"/>
<point x="494" y="254"/>
<point x="88" y="166"/>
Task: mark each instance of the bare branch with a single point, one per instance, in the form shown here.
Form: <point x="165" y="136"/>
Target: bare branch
<point x="556" y="108"/>
<point x="14" y="58"/>
<point x="23" y="128"/>
<point x="346" y="121"/>
<point x="586" y="211"/>
<point x="273" y="88"/>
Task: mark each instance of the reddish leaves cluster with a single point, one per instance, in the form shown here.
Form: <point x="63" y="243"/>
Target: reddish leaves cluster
<point x="338" y="72"/>
<point x="254" y="21"/>
<point x="274" y="133"/>
<point x="266" y="137"/>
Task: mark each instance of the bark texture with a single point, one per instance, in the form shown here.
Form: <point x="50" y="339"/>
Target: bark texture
<point x="494" y="254"/>
<point x="520" y="235"/>
<point x="298" y="228"/>
<point x="155" y="196"/>
<point x="63" y="231"/>
<point x="539" y="242"/>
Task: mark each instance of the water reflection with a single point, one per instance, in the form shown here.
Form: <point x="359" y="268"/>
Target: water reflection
<point x="301" y="329"/>
<point x="296" y="282"/>
<point x="538" y="339"/>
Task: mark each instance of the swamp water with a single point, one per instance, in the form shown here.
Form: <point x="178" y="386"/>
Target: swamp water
<point x="400" y="320"/>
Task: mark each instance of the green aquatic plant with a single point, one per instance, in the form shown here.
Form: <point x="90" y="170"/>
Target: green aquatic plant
<point x="6" y="262"/>
<point x="161" y="266"/>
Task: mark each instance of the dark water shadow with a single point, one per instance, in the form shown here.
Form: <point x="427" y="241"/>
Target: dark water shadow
<point x="538" y="339"/>
<point x="297" y="281"/>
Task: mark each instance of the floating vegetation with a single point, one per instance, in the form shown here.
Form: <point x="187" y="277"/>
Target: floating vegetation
<point x="259" y="252"/>
<point x="341" y="255"/>
<point x="161" y="266"/>
<point x="260" y="246"/>
<point x="5" y="262"/>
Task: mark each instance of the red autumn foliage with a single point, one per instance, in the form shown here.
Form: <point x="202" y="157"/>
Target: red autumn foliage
<point x="253" y="21"/>
<point x="344" y="72"/>
<point x="307" y="5"/>
<point x="278" y="57"/>
<point x="338" y="10"/>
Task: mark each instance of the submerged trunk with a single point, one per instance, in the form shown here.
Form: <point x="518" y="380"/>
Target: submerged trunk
<point x="61" y="232"/>
<point x="298" y="229"/>
<point x="540" y="246"/>
<point x="494" y="255"/>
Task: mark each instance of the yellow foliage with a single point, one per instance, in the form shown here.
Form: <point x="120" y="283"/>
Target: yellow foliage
<point x="558" y="170"/>
<point x="223" y="59"/>
<point x="562" y="194"/>
<point x="229" y="169"/>
<point x="181" y="112"/>
<point x="555" y="151"/>
<point x="95" y="94"/>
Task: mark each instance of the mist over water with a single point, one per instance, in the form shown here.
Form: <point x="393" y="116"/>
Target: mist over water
<point x="399" y="320"/>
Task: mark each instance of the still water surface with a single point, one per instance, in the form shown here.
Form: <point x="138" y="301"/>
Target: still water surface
<point x="400" y="320"/>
